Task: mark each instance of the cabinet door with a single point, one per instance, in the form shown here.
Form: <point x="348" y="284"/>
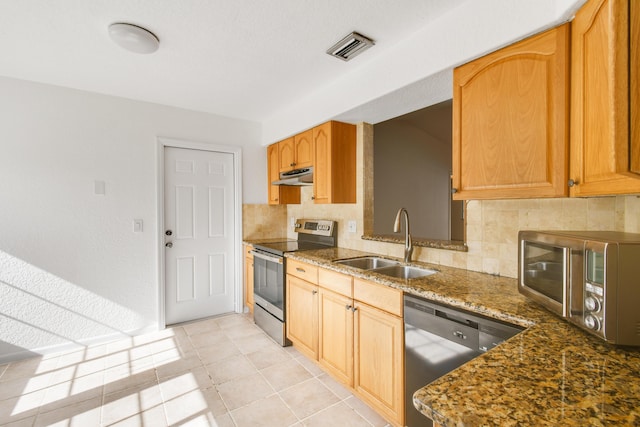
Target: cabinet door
<point x="287" y="154"/>
<point x="303" y="150"/>
<point x="273" y="174"/>
<point x="278" y="195"/>
<point x="510" y="121"/>
<point x="601" y="149"/>
<point x="379" y="364"/>
<point x="322" y="169"/>
<point x="334" y="179"/>
<point x="248" y="278"/>
<point x="335" y="351"/>
<point x="302" y="315"/>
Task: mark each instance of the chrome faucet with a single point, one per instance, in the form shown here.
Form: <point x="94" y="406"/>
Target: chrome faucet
<point x="408" y="246"/>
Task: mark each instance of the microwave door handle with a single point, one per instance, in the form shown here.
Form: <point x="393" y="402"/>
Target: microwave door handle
<point x="261" y="255"/>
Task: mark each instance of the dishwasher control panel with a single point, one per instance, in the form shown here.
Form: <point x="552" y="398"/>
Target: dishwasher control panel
<point x="460" y="326"/>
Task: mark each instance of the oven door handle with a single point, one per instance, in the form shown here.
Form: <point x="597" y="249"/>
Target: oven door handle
<point x="267" y="257"/>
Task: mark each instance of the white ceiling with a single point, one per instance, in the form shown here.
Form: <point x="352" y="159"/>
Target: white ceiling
<point x="238" y="58"/>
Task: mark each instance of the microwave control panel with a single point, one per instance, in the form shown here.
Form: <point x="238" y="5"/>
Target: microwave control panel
<point x="593" y="306"/>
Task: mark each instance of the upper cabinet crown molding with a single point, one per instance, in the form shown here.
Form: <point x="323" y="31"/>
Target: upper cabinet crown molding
<point x="510" y="121"/>
<point x="605" y="145"/>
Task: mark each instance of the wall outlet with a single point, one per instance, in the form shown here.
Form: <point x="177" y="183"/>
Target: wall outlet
<point x="292" y="221"/>
<point x="137" y="226"/>
<point x="351" y="226"/>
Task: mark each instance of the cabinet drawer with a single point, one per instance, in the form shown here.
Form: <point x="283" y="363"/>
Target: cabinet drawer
<point x="379" y="296"/>
<point x="302" y="270"/>
<point x="336" y="282"/>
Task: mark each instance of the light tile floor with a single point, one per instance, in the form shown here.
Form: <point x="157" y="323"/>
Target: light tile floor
<point x="221" y="371"/>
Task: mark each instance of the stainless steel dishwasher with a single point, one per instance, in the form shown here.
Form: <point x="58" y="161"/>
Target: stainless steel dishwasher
<point x="438" y="339"/>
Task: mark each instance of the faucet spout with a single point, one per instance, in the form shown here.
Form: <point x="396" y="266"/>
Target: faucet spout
<point x="408" y="245"/>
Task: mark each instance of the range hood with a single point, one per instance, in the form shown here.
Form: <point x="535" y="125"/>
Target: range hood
<point x="296" y="177"/>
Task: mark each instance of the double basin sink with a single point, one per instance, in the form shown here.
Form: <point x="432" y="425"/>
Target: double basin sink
<point x="386" y="267"/>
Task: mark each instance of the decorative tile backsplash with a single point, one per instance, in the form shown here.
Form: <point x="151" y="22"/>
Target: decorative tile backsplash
<point x="264" y="221"/>
<point x="492" y="225"/>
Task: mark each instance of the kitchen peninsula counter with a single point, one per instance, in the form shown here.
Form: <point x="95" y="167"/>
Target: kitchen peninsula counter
<point x="551" y="374"/>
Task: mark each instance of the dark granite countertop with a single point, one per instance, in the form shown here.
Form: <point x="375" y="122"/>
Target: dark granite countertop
<point x="551" y="374"/>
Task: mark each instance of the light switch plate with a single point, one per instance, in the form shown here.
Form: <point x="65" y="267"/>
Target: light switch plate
<point x="351" y="226"/>
<point x="137" y="225"/>
<point x="99" y="187"/>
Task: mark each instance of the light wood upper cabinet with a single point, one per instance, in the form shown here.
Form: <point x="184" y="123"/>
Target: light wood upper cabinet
<point x="634" y="48"/>
<point x="334" y="179"/>
<point x="278" y="195"/>
<point x="296" y="152"/>
<point x="510" y="121"/>
<point x="605" y="146"/>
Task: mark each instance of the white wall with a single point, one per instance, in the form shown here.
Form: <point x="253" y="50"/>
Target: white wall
<point x="377" y="88"/>
<point x="71" y="268"/>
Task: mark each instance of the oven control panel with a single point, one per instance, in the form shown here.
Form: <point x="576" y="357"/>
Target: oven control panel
<point x="319" y="227"/>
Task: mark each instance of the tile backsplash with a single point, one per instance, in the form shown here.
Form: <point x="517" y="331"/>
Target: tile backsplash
<point x="491" y="230"/>
<point x="264" y="221"/>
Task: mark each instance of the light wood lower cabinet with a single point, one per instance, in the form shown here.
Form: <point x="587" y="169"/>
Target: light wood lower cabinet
<point x="302" y="315"/>
<point x="360" y="335"/>
<point x="302" y="307"/>
<point x="248" y="277"/>
<point x="336" y="335"/>
<point x="379" y="367"/>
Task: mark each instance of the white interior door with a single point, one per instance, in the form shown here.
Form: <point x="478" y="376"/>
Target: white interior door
<point x="199" y="222"/>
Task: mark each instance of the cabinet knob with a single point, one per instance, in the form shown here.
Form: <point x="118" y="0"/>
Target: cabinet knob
<point x="572" y="182"/>
<point x="314" y="292"/>
<point x="313" y="197"/>
<point x="348" y="307"/>
<point x="454" y="190"/>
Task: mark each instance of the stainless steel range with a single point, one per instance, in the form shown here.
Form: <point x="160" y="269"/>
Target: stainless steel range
<point x="269" y="271"/>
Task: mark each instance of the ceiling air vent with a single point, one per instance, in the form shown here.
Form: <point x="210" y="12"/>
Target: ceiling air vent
<point x="350" y="46"/>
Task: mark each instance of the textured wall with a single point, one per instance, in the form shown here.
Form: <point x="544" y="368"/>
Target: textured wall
<point x="71" y="267"/>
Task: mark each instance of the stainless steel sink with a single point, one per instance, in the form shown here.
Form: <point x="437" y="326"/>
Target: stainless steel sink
<point x="404" y="271"/>
<point x="367" y="262"/>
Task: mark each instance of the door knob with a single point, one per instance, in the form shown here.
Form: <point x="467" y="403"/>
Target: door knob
<point x="168" y="232"/>
<point x="169" y="245"/>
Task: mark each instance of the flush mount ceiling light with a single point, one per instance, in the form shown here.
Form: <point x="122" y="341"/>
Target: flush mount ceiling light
<point x="350" y="46"/>
<point x="133" y="38"/>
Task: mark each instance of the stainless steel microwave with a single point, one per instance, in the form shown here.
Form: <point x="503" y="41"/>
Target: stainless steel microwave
<point x="590" y="278"/>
